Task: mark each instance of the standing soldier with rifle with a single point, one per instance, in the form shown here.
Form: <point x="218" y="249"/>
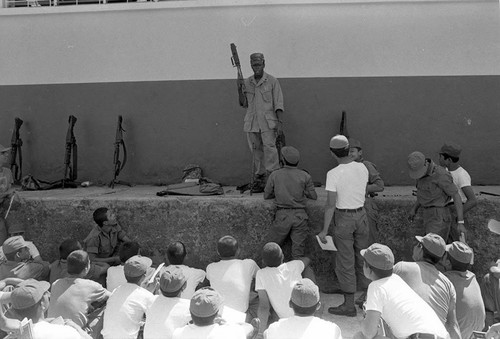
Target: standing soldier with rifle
<point x="264" y="104"/>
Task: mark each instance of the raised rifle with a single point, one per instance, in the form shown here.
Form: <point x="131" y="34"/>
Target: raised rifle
<point x="343" y="125"/>
<point x="280" y="143"/>
<point x="71" y="156"/>
<point x="16" y="155"/>
<point x="119" y="164"/>
<point x="235" y="60"/>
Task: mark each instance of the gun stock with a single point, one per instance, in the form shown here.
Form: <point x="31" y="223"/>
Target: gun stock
<point x="280" y="143"/>
<point x="71" y="155"/>
<point x="240" y="80"/>
<point x="16" y="158"/>
<point x="117" y="163"/>
<point x="343" y="125"/>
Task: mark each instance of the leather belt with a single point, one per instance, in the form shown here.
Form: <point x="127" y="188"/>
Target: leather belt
<point x="426" y="207"/>
<point x="348" y="210"/>
<point x="423" y="336"/>
<point x="289" y="208"/>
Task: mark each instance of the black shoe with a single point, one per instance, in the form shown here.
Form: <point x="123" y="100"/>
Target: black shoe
<point x="343" y="310"/>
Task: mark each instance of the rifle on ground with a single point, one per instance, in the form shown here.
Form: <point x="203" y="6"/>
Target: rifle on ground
<point x="16" y="155"/>
<point x="235" y="60"/>
<point x="71" y="155"/>
<point x="343" y="125"/>
<point x="280" y="143"/>
<point x="119" y="164"/>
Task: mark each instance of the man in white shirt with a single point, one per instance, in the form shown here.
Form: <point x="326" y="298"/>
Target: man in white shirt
<point x="303" y="324"/>
<point x="233" y="277"/>
<point x="449" y="156"/>
<point x="346" y="189"/>
<point x="168" y="311"/>
<point x="129" y="302"/>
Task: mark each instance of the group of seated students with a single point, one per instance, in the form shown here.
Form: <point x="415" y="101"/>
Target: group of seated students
<point x="107" y="289"/>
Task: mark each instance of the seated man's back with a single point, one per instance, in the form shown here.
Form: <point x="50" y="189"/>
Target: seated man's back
<point x="19" y="263"/>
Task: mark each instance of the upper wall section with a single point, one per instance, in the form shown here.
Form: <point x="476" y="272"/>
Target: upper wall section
<point x="189" y="40"/>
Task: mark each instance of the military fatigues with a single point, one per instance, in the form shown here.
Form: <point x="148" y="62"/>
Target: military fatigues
<point x="264" y="99"/>
<point x="104" y="245"/>
<point x="434" y="191"/>
<point x="290" y="187"/>
<point x="371" y="207"/>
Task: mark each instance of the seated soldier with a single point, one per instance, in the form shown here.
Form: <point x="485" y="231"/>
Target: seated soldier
<point x="205" y="307"/>
<point x="232" y="277"/>
<point x="169" y="311"/>
<point x="129" y="302"/>
<point x="19" y="263"/>
<point x="303" y="324"/>
<point x="58" y="268"/>
<point x="176" y="253"/>
<point x="490" y="290"/>
<point x="34" y="253"/>
<point x="77" y="298"/>
<point x="30" y="300"/>
<point x="104" y="240"/>
<point x="274" y="283"/>
<point x="391" y="299"/>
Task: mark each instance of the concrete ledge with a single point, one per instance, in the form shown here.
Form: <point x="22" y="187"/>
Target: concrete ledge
<point x="49" y="217"/>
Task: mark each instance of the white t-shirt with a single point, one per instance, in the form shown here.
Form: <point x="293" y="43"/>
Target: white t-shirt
<point x="125" y="310"/>
<point x="297" y="327"/>
<point x="461" y="179"/>
<point x="115" y="277"/>
<point x="349" y="181"/>
<point x="215" y="331"/>
<point x="45" y="330"/>
<point x="232" y="279"/>
<point x="278" y="282"/>
<point x="402" y="309"/>
<point x="164" y="316"/>
<point x="194" y="276"/>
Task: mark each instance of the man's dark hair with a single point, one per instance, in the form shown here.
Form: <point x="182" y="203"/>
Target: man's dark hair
<point x="303" y="310"/>
<point x="447" y="156"/>
<point x="100" y="216"/>
<point x="340" y="152"/>
<point x="457" y="265"/>
<point x="378" y="272"/>
<point x="227" y="246"/>
<point x="203" y="321"/>
<point x="176" y="252"/>
<point x="77" y="262"/>
<point x="68" y="246"/>
<point x="430" y="257"/>
<point x="128" y="250"/>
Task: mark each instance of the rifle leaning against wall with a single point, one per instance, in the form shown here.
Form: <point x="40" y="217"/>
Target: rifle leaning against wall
<point x="71" y="156"/>
<point x="119" y="164"/>
<point x="16" y="155"/>
<point x="235" y="60"/>
<point x="343" y="125"/>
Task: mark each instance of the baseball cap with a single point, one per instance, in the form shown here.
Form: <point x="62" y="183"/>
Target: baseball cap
<point x="14" y="244"/>
<point x="172" y="280"/>
<point x="4" y="149"/>
<point x="291" y="155"/>
<point x="379" y="256"/>
<point x="460" y="252"/>
<point x="339" y="142"/>
<point x="451" y="149"/>
<point x="416" y="165"/>
<point x="272" y="255"/>
<point x="28" y="293"/>
<point x="205" y="302"/>
<point x="305" y="293"/>
<point x="136" y="266"/>
<point x="256" y="57"/>
<point x="433" y="243"/>
<point x="353" y="143"/>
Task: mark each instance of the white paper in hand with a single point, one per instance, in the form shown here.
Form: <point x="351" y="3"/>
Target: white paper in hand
<point x="494" y="226"/>
<point x="329" y="246"/>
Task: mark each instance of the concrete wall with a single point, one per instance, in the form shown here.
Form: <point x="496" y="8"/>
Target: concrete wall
<point x="411" y="75"/>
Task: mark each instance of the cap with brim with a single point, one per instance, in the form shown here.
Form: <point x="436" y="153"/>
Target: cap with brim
<point x="4" y="149"/>
<point x="172" y="280"/>
<point x="305" y="293"/>
<point x="417" y="166"/>
<point x="28" y="293"/>
<point x="291" y="155"/>
<point x="433" y="243"/>
<point x="272" y="255"/>
<point x="379" y="256"/>
<point x="451" y="149"/>
<point x="353" y="143"/>
<point x="136" y="266"/>
<point x="205" y="302"/>
<point x="256" y="57"/>
<point x="339" y="142"/>
<point x="13" y="244"/>
<point x="460" y="252"/>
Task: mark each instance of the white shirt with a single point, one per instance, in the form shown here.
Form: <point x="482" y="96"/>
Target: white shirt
<point x="402" y="309"/>
<point x="215" y="331"/>
<point x="349" y="181"/>
<point x="164" y="316"/>
<point x="45" y="330"/>
<point x="125" y="310"/>
<point x="115" y="277"/>
<point x="194" y="276"/>
<point x="461" y="179"/>
<point x="297" y="327"/>
<point x="232" y="279"/>
<point x="278" y="282"/>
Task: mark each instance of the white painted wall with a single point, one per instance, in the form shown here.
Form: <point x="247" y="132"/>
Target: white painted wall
<point x="190" y="40"/>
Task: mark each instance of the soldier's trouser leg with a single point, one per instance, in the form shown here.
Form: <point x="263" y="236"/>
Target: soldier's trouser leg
<point x="490" y="291"/>
<point x="372" y="215"/>
<point x="350" y="236"/>
<point x="271" y="160"/>
<point x="437" y="220"/>
<point x="255" y="140"/>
